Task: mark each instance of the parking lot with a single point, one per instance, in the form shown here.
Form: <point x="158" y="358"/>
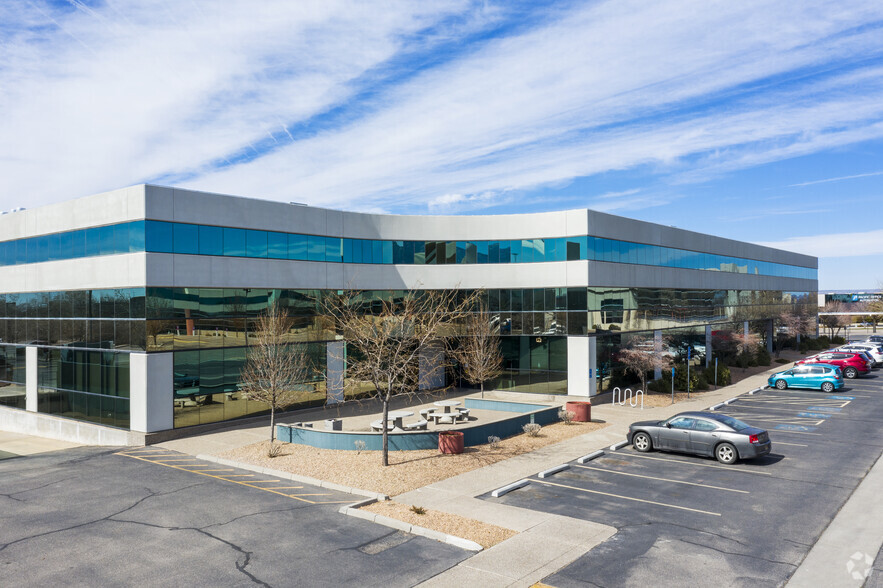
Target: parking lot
<point x="688" y="519"/>
<point x="92" y="516"/>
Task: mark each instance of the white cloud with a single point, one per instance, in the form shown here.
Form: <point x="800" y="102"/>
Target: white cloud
<point x="838" y="179"/>
<point x="128" y="92"/>
<point x="857" y="244"/>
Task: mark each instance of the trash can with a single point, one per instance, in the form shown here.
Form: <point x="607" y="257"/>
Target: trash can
<point x="582" y="411"/>
<point x="450" y="442"/>
<point x="334" y="424"/>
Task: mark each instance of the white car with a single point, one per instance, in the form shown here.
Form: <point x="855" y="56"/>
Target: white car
<point x="869" y="348"/>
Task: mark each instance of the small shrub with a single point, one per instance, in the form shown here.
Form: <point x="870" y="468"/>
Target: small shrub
<point x="567" y="416"/>
<point x="360" y="446"/>
<point x="763" y="356"/>
<point x="532" y="429"/>
<point x="494" y="442"/>
<point x="418" y="510"/>
<point x="838" y="340"/>
<point x="274" y="450"/>
<point x="783" y="360"/>
<point x="702" y="382"/>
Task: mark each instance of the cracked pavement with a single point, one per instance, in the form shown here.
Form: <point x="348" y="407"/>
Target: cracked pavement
<point x="87" y="517"/>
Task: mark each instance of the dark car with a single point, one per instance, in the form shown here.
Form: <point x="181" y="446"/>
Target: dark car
<point x="702" y="433"/>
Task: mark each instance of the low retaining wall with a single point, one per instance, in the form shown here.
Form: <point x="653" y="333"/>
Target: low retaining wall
<point x="45" y="425"/>
<point x="476" y="434"/>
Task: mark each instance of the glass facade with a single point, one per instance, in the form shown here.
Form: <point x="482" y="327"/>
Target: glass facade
<point x="12" y="376"/>
<point x="167" y="237"/>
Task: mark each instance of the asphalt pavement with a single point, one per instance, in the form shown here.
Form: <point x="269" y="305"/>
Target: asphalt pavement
<point x="694" y="521"/>
<point x="111" y="517"/>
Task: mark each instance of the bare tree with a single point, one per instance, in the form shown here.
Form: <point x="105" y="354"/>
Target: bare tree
<point x="479" y="351"/>
<point x="274" y="366"/>
<point x="796" y="323"/>
<point x="834" y="322"/>
<point x="642" y="356"/>
<point x="385" y="339"/>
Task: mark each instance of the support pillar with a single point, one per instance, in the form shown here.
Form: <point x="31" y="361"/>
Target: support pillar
<point x="31" y="371"/>
<point x="151" y="392"/>
<point x="431" y="367"/>
<point x="657" y="347"/>
<point x="770" y="333"/>
<point x="708" y="348"/>
<point x="581" y="366"/>
<point x="335" y="368"/>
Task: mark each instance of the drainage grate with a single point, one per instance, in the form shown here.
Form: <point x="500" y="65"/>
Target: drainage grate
<point x="384" y="543"/>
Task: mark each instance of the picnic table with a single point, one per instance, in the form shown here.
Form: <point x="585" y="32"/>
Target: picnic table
<point x="396" y="416"/>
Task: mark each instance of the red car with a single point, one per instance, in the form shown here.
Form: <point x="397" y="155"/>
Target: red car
<point x="851" y="364"/>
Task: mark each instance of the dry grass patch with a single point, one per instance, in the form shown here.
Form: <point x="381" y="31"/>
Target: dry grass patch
<point x="407" y="470"/>
<point x="484" y="534"/>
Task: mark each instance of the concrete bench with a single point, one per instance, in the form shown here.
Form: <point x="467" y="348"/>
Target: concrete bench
<point x="378" y="426"/>
<point x="464" y="414"/>
<point x="419" y="425"/>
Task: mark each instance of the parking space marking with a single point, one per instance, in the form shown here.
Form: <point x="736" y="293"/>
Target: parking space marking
<point x="701" y="465"/>
<point x="770" y="408"/>
<point x="226" y="478"/>
<point x="796" y="420"/>
<point x="816" y="401"/>
<point x="578" y="489"/>
<point x="794" y="444"/>
<point x="795" y="429"/>
<point x="662" y="479"/>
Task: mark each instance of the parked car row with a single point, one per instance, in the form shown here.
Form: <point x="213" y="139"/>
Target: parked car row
<point x="825" y="371"/>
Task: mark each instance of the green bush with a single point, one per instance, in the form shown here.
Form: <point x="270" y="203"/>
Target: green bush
<point x="763" y="356"/>
<point x="783" y="360"/>
<point x="838" y="341"/>
<point x="702" y="381"/>
<point x="724" y="377"/>
<point x="661" y="385"/>
<point x="681" y="377"/>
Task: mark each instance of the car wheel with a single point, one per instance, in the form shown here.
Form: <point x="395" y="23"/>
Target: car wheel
<point x="850" y="373"/>
<point x="827" y="387"/>
<point x="781" y="384"/>
<point x="726" y="453"/>
<point x="642" y="442"/>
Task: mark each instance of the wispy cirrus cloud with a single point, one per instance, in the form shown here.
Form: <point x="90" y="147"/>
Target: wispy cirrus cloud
<point x="857" y="244"/>
<point x="444" y="106"/>
<point x="837" y="179"/>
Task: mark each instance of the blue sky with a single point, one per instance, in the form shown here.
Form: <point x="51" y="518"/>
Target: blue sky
<point x="758" y="121"/>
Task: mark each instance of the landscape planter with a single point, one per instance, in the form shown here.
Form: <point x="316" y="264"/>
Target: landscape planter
<point x="582" y="411"/>
<point x="450" y="442"/>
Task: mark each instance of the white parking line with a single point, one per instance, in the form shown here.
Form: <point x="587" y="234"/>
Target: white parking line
<point x="578" y="489"/>
<point x="664" y="479"/>
<point x="701" y="465"/>
<point x="794" y="444"/>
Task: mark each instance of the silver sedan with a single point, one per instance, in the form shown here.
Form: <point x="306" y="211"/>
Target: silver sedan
<point x="702" y="433"/>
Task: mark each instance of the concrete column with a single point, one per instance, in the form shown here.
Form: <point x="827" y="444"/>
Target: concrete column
<point x="769" y="335"/>
<point x="31" y="379"/>
<point x="151" y="392"/>
<point x="745" y="328"/>
<point x="578" y="372"/>
<point x="431" y="367"/>
<point x="657" y="347"/>
<point x="593" y="366"/>
<point x="708" y="348"/>
<point x="335" y="367"/>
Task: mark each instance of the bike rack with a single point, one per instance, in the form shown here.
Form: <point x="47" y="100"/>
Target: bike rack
<point x="620" y="397"/>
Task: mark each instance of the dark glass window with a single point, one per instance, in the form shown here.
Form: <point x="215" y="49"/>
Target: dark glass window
<point x="277" y="245"/>
<point x="234" y="242"/>
<point x="186" y="238"/>
<point x="159" y="237"/>
<point x="256" y="243"/>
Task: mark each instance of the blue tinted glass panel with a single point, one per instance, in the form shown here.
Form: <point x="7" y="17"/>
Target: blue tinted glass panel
<point x="386" y="246"/>
<point x="277" y="245"/>
<point x="255" y="243"/>
<point x="348" y="251"/>
<point x="93" y="242"/>
<point x="121" y="238"/>
<point x="514" y="251"/>
<point x="211" y="240"/>
<point x="136" y="236"/>
<point x="333" y="249"/>
<point x="376" y="252"/>
<point x="186" y="238"/>
<point x="159" y="237"/>
<point x="234" y="242"/>
<point x="297" y="246"/>
<point x="316" y="251"/>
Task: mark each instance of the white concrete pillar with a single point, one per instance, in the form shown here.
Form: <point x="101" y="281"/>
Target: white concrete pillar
<point x="581" y="365"/>
<point x="593" y="366"/>
<point x="745" y="328"/>
<point x="657" y="347"/>
<point x="151" y="392"/>
<point x="31" y="371"/>
<point x="335" y="367"/>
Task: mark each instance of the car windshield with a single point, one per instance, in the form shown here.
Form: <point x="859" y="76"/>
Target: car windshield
<point x="729" y="421"/>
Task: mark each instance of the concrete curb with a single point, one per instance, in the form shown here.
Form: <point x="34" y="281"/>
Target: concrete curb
<point x="354" y="510"/>
<point x="293" y="477"/>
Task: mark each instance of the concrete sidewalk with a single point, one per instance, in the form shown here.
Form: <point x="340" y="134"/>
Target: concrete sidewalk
<point x="18" y="444"/>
